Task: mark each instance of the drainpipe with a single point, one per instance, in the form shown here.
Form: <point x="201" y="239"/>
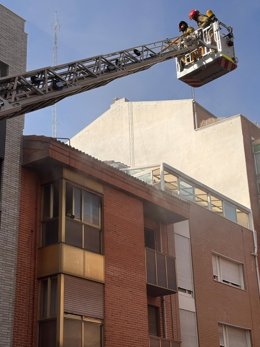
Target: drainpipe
<point x="164" y="327"/>
<point x="255" y="254"/>
<point x="194" y="110"/>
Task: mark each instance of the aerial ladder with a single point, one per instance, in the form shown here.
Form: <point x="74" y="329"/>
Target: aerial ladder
<point x="34" y="90"/>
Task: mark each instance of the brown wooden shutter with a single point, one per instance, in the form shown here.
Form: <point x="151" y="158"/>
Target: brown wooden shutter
<point x="83" y="297"/>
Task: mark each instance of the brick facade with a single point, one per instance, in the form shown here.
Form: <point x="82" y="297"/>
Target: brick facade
<point x="14" y="55"/>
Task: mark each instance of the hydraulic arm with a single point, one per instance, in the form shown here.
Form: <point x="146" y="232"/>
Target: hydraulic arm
<point x="43" y="87"/>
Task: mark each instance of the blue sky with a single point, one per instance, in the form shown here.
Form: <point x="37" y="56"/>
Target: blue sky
<point x="89" y="28"/>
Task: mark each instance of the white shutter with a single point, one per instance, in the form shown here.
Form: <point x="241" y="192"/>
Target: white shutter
<point x="183" y="262"/>
<point x="231" y="271"/>
<point x="237" y="337"/>
<point x="188" y="324"/>
<point x="215" y="266"/>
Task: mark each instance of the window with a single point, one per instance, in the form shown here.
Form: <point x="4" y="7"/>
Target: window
<point x="188" y="323"/>
<point x="152" y="238"/>
<point x="154" y="320"/>
<point x="82" y="331"/>
<point x="48" y="297"/>
<point x="233" y="337"/>
<point x="83" y="312"/>
<point x="256" y="149"/>
<point x="83" y="219"/>
<point x="48" y="312"/>
<point x="184" y="264"/>
<point x="228" y="271"/>
<point x="50" y="213"/>
<point x="4" y="69"/>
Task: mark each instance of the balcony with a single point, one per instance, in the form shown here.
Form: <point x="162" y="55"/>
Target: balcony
<point x="160" y="342"/>
<point x="161" y="274"/>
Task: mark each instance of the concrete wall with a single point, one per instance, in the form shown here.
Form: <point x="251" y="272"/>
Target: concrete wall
<point x="12" y="52"/>
<point x="147" y="133"/>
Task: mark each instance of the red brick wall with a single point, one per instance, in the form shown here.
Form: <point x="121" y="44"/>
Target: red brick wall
<point x="125" y="277"/>
<point x="25" y="320"/>
<point x="218" y="302"/>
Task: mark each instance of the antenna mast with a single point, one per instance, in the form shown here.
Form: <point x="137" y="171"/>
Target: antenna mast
<point x="56" y="29"/>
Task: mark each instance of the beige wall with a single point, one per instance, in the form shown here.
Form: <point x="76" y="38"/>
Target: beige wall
<point x="147" y="133"/>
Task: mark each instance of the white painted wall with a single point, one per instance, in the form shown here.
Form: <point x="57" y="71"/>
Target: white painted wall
<point x="152" y="132"/>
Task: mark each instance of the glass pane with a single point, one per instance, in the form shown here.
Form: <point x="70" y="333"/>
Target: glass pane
<point x="216" y="205"/>
<point x="44" y="299"/>
<point x="201" y="197"/>
<point x="150" y="266"/>
<point x="242" y="218"/>
<point x="153" y="320"/>
<point x="47" y="333"/>
<point x="72" y="333"/>
<point x="171" y="272"/>
<point x="50" y="232"/>
<point x="92" y="334"/>
<point x="91" y="208"/>
<point x="230" y="211"/>
<point x="186" y="190"/>
<point x="73" y="233"/>
<point x="56" y="199"/>
<point x="171" y="182"/>
<point x="161" y="270"/>
<point x="53" y="303"/>
<point x="92" y="239"/>
<point x="257" y="162"/>
<point x="46" y="201"/>
<point x="149" y="238"/>
<point x="77" y="203"/>
<point x="69" y="212"/>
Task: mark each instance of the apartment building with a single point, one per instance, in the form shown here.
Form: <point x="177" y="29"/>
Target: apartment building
<point x="13" y="44"/>
<point x="223" y="153"/>
<point x="108" y="260"/>
<point x="91" y="256"/>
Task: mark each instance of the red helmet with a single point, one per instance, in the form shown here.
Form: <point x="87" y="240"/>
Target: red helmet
<point x="193" y="14"/>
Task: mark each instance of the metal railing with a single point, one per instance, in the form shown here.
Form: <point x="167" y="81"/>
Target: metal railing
<point x="156" y="341"/>
<point x="177" y="183"/>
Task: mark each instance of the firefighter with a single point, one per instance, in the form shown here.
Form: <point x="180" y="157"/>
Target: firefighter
<point x="201" y="19"/>
<point x="211" y="15"/>
<point x="185" y="29"/>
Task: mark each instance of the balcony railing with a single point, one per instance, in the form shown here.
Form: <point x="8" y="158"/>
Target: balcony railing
<point x="160" y="342"/>
<point x="175" y="182"/>
<point x="161" y="273"/>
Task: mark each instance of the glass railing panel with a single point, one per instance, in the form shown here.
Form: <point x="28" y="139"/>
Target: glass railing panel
<point x="171" y="273"/>
<point x="216" y="205"/>
<point x="151" y="266"/>
<point x="171" y="182"/>
<point x="230" y="211"/>
<point x="161" y="270"/>
<point x="201" y="197"/>
<point x="186" y="190"/>
<point x="242" y="218"/>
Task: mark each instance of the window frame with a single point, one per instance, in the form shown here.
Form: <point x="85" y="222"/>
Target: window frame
<point x="79" y="222"/>
<point x="52" y="206"/>
<point x="82" y="320"/>
<point x="46" y="306"/>
<point x="218" y="277"/>
<point x="156" y="312"/>
<point x="224" y="335"/>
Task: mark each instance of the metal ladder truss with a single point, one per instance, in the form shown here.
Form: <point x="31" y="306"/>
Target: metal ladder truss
<point x="43" y="87"/>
